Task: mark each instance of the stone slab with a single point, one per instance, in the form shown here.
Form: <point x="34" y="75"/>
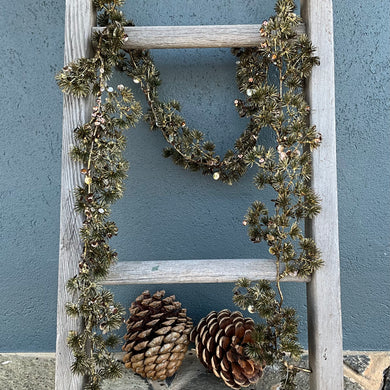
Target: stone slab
<point x="27" y="372"/>
<point x="358" y="363"/>
<point x="36" y="372"/>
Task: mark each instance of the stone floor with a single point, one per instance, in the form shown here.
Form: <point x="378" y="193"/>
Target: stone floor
<point x="362" y="370"/>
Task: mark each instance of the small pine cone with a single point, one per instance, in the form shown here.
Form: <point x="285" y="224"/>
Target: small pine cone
<point x="157" y="336"/>
<point x="220" y="340"/>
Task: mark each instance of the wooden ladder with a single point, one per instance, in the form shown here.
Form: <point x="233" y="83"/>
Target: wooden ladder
<point x="323" y="290"/>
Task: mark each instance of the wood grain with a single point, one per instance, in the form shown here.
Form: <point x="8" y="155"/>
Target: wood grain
<point x="324" y="309"/>
<point x="79" y="19"/>
<point x="175" y="37"/>
<point x="194" y="271"/>
<point x="323" y="293"/>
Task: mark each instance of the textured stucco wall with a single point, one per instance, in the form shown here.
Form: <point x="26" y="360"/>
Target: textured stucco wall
<point x="168" y="213"/>
<point x="362" y="36"/>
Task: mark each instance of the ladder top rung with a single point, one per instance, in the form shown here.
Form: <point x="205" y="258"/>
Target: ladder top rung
<point x="176" y="37"/>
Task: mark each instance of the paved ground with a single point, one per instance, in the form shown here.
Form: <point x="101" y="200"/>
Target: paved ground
<point x="363" y="371"/>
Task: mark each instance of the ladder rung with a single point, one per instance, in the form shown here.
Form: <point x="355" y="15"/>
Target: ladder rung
<point x="176" y="37"/>
<point x="194" y="271"/>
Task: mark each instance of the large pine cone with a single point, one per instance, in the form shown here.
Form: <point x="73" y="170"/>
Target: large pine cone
<point x="157" y="336"/>
<point x="220" y="339"/>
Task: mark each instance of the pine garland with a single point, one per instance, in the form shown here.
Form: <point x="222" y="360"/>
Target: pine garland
<point x="99" y="146"/>
<point x="189" y="148"/>
<point x="287" y="170"/>
<point x="270" y="106"/>
<point x="281" y="107"/>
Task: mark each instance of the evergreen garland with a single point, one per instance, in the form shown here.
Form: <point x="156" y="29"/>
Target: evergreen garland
<point x="189" y="148"/>
<point x="280" y="107"/>
<point x="287" y="170"/>
<point x="99" y="144"/>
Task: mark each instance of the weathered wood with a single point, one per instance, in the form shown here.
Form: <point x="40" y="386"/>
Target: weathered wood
<point x="79" y="19"/>
<point x="194" y="271"/>
<point x="324" y="309"/>
<point x="175" y="37"/>
<point x="323" y="292"/>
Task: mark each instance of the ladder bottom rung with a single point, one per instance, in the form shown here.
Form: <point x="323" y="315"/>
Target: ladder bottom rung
<point x="194" y="271"/>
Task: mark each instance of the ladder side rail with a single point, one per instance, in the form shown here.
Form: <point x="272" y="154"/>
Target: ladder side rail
<point x="323" y="292"/>
<point x="79" y="19"/>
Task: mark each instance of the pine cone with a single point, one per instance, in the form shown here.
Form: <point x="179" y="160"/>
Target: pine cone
<point x="157" y="336"/>
<point x="220" y="339"/>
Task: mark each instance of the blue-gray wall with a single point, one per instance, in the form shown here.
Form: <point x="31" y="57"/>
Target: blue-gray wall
<point x="168" y="213"/>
